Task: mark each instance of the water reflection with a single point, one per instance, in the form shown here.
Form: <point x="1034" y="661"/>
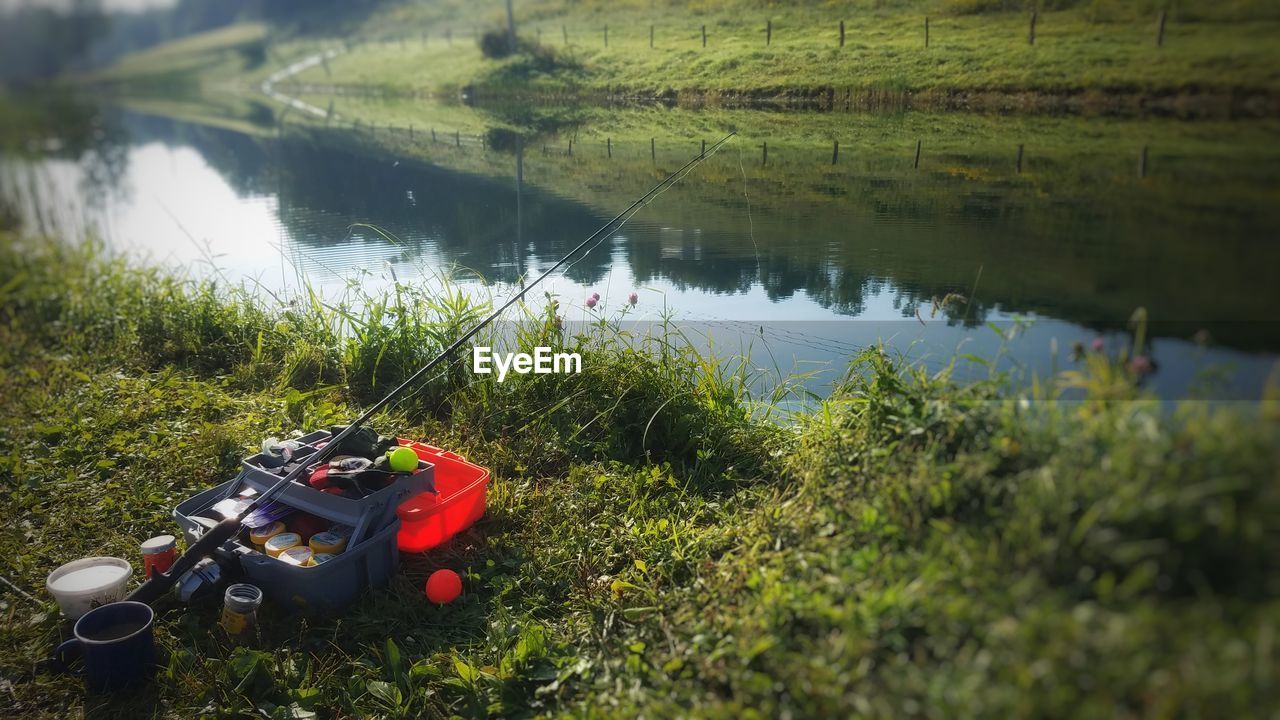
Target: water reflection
<point x="1081" y="240"/>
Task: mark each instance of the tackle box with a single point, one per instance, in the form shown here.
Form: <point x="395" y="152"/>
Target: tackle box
<point x="369" y="561"/>
<point x="404" y="516"/>
<point x="429" y="519"/>
<point x="328" y="587"/>
<point x="367" y="514"/>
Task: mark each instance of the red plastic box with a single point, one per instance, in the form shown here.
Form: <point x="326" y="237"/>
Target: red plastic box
<point x="426" y="520"/>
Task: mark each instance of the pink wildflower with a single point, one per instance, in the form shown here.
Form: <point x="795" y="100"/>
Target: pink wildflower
<point x="633" y="298"/>
<point x="1140" y="365"/>
<point x="1097" y="344"/>
<point x="595" y="296"/>
<point x="591" y="302"/>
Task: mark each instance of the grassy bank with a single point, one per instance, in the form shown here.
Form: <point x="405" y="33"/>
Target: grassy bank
<point x="1100" y="55"/>
<point x="652" y="545"/>
<point x="884" y="52"/>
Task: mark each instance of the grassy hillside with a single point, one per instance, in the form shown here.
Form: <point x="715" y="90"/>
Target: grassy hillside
<point x="233" y="60"/>
<point x="978" y="53"/>
<point x="652" y="545"/>
<point x="234" y="45"/>
<point x="884" y="52"/>
<point x="461" y="15"/>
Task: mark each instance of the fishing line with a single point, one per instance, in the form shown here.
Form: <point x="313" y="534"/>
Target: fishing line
<point x="590" y="243"/>
<point x="606" y="231"/>
<point x="204" y="250"/>
<point x="302" y="273"/>
<point x="653" y="194"/>
<point x="751" y="225"/>
<point x="563" y="264"/>
<point x="19" y="591"/>
<point x="809" y="340"/>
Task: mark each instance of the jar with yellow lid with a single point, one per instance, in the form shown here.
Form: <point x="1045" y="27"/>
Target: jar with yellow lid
<point x="297" y="556"/>
<point x="261" y="535"/>
<point x="279" y="543"/>
<point x="328" y="542"/>
<point x="240" y="611"/>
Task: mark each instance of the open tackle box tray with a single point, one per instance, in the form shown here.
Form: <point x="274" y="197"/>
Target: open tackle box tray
<point x="367" y="514"/>
<point x="369" y="561"/>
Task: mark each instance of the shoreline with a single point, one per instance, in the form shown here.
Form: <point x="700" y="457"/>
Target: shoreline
<point x="929" y="520"/>
<point x="1190" y="104"/>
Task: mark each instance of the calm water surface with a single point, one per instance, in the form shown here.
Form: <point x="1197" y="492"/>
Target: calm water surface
<point x="806" y="254"/>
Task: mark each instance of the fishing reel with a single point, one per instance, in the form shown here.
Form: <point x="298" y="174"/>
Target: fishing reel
<point x="210" y="576"/>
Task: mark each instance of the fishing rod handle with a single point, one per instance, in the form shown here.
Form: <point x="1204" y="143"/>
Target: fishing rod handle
<point x="160" y="583"/>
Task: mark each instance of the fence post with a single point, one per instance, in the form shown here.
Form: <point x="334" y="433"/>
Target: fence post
<point x="653" y="151"/>
<point x="411" y="131"/>
<point x="916" y="164"/>
<point x="926" y="31"/>
<point x="433" y="134"/>
<point x="1160" y="29"/>
<point x="511" y="28"/>
<point x="1142" y="162"/>
<point x="565" y="29"/>
<point x="768" y="32"/>
<point x="1019" y="158"/>
<point x="1031" y="29"/>
<point x="650" y="37"/>
<point x="841" y="33"/>
<point x="835" y="151"/>
<point x="608" y="144"/>
<point x="570" y="147"/>
<point x="764" y="158"/>
<point x="704" y="36"/>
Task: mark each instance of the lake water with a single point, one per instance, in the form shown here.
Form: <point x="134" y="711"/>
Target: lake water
<point x="942" y="236"/>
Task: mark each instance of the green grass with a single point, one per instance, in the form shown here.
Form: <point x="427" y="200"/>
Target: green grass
<point x="227" y="38"/>
<point x="974" y="59"/>
<point x="653" y="545"/>
<point x="218" y="110"/>
<point x="193" y="53"/>
<point x="1101" y="47"/>
<point x="409" y="66"/>
<point x="221" y="67"/>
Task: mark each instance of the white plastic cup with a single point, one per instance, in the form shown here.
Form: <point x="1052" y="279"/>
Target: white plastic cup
<point x="82" y="585"/>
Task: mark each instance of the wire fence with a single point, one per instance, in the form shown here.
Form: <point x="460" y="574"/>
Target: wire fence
<point x="669" y="35"/>
<point x="664" y="151"/>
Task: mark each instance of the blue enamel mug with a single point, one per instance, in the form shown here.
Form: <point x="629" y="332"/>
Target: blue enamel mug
<point x="116" y="643"/>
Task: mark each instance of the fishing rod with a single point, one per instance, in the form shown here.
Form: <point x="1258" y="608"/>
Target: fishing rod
<point x="160" y="583"/>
